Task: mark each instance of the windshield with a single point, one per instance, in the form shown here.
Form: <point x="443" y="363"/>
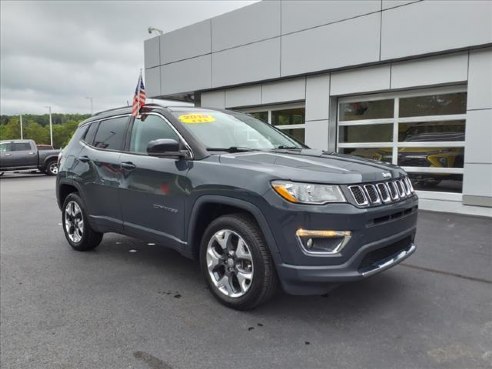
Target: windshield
<point x="219" y="130"/>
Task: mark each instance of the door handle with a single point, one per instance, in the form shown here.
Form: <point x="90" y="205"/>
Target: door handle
<point x="8" y="154"/>
<point x="128" y="165"/>
<point x="84" y="158"/>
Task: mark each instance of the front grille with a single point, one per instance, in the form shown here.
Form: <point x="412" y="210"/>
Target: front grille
<point x="359" y="195"/>
<point x="384" y="192"/>
<point x="373" y="194"/>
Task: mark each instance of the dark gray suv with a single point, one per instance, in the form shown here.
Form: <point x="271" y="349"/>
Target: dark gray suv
<point x="254" y="206"/>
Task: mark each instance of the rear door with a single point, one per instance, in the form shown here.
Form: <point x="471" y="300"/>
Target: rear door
<point x="101" y="174"/>
<point x="153" y="189"/>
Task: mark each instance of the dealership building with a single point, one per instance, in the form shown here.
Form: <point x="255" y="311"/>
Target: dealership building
<point x="405" y="82"/>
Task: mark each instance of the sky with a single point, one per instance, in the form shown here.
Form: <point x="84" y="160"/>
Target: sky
<point x="59" y="53"/>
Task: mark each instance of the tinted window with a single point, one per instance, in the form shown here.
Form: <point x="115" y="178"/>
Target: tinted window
<point x="148" y="128"/>
<point x="5" y="146"/>
<point x="111" y="134"/>
<point x="90" y="133"/>
<point x="21" y="146"/>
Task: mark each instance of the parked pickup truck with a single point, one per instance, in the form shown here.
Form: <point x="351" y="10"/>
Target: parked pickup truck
<point x="24" y="154"/>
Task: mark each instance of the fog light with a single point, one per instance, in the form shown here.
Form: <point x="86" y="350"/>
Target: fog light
<point x="322" y="242"/>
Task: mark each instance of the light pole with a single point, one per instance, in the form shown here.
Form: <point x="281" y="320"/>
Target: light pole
<point x="51" y="126"/>
<point x="20" y="118"/>
<point x="92" y="103"/>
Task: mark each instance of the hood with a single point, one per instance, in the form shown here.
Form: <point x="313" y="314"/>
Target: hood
<point x="314" y="166"/>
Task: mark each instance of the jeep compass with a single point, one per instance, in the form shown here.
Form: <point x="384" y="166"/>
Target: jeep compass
<point x="254" y="206"/>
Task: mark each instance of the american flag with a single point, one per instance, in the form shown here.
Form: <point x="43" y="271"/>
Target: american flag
<point x="139" y="98"/>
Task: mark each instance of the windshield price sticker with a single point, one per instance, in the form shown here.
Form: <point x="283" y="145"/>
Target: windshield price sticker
<point x="196" y="118"/>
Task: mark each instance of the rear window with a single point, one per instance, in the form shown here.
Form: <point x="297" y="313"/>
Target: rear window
<point x="111" y="134"/>
<point x="21" y="146"/>
<point x="90" y="133"/>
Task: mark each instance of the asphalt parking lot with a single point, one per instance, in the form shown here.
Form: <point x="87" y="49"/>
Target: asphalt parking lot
<point x="133" y="305"/>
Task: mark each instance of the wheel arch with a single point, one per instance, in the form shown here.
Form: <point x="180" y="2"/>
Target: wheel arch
<point x="209" y="207"/>
<point x="64" y="189"/>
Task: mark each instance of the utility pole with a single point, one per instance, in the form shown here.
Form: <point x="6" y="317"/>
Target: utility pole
<point x="51" y="126"/>
<point x="91" y="99"/>
<point x="22" y="136"/>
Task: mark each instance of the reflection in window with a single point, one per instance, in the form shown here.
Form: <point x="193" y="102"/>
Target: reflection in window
<point x="149" y="128"/>
<point x="261" y="115"/>
<point x="381" y="154"/>
<point x="288" y="116"/>
<point x="298" y="133"/>
<point x="111" y="133"/>
<point x="432" y="131"/>
<point x="433" y="105"/>
<point x="437" y="182"/>
<point x="378" y="109"/>
<point x="431" y="157"/>
<point x="366" y="133"/>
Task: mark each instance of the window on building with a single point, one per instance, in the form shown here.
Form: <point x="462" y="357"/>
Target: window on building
<point x="290" y="119"/>
<point x="422" y="131"/>
<point x="111" y="134"/>
<point x="149" y="128"/>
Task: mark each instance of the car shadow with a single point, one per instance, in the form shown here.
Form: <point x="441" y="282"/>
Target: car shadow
<point x="349" y="299"/>
<point x="17" y="175"/>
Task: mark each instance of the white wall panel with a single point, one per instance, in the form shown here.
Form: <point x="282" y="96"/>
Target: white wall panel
<point x="430" y="71"/>
<point x="431" y="26"/>
<point x="351" y="42"/>
<point x="186" y="76"/>
<point x="283" y="91"/>
<point x="479" y="136"/>
<point x="151" y="52"/>
<point x="360" y="80"/>
<point x="243" y="96"/>
<point x="153" y="81"/>
<point x="478" y="180"/>
<point x="213" y="99"/>
<point x="298" y="15"/>
<point x="245" y="25"/>
<point x="317" y="97"/>
<point x="480" y="79"/>
<point x="316" y="134"/>
<point x="248" y="63"/>
<point x="186" y="42"/>
<point x="387" y="4"/>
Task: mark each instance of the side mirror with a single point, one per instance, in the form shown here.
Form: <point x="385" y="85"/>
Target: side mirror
<point x="165" y="147"/>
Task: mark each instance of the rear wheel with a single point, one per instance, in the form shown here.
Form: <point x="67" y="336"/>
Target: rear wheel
<point x="52" y="167"/>
<point x="236" y="262"/>
<point x="77" y="229"/>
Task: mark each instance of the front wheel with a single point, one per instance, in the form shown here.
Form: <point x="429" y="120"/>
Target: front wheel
<point x="236" y="262"/>
<point x="78" y="231"/>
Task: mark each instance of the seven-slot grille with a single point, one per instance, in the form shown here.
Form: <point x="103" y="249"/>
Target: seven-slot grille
<point x="372" y="194"/>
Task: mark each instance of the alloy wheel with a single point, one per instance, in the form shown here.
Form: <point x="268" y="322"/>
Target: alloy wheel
<point x="74" y="222"/>
<point x="230" y="263"/>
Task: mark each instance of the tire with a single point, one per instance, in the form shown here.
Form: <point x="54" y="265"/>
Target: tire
<point x="227" y="265"/>
<point x="51" y="167"/>
<point x="76" y="227"/>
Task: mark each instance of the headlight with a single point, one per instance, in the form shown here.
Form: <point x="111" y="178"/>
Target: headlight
<point x="308" y="193"/>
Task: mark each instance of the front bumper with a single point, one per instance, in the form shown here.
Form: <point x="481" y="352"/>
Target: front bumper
<point x="381" y="237"/>
<point x="369" y="260"/>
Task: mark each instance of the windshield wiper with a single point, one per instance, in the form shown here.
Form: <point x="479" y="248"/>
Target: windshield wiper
<point x="231" y="149"/>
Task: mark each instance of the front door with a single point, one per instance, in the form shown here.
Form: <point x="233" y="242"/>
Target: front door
<point x="153" y="190"/>
<point x="6" y="155"/>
